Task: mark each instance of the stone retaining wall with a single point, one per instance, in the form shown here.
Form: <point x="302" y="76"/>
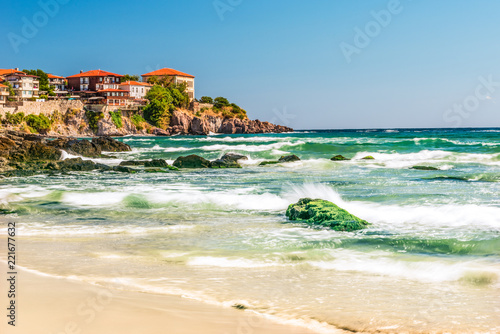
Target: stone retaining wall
<point x="37" y="108"/>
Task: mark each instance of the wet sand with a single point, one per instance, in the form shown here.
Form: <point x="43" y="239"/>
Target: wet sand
<point x="57" y="305"/>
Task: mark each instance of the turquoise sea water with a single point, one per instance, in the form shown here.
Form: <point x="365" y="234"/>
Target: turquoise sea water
<point x="430" y="261"/>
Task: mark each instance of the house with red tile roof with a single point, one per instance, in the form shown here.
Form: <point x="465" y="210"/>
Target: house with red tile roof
<point x="4" y="93"/>
<point x="137" y="90"/>
<point x="93" y="81"/>
<point x="25" y="86"/>
<point x="58" y="83"/>
<point x="177" y="77"/>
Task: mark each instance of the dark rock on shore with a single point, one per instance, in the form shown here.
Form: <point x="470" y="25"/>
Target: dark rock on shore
<point x="109" y="144"/>
<point x="192" y="161"/>
<point x="339" y="158"/>
<point x="86" y="148"/>
<point x="156" y="163"/>
<point x="24" y="154"/>
<point x="323" y="213"/>
<point x="289" y="158"/>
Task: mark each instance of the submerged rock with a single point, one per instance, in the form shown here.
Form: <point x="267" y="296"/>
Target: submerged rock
<point x="133" y="163"/>
<point x="192" y="161"/>
<point x="339" y="158"/>
<point x="289" y="158"/>
<point x="271" y="162"/>
<point x="424" y="168"/>
<point x="156" y="163"/>
<point x="228" y="160"/>
<point x="324" y="213"/>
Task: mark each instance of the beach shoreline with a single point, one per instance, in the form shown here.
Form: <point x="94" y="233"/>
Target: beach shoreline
<point x="47" y="304"/>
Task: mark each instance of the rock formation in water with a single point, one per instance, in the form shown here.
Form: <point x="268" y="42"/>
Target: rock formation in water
<point x="318" y="212"/>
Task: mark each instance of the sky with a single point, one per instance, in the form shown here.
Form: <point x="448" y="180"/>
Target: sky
<point x="319" y="64"/>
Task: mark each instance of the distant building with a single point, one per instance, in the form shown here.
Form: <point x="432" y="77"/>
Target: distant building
<point x="137" y="90"/>
<point x="94" y="81"/>
<point x="176" y="77"/>
<point x="58" y="83"/>
<point x="25" y="86"/>
<point x="4" y="93"/>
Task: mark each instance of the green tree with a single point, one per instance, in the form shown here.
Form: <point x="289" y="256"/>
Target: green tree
<point x="158" y="111"/>
<point x="128" y="77"/>
<point x="206" y="99"/>
<point x="11" y="90"/>
<point x="221" y="102"/>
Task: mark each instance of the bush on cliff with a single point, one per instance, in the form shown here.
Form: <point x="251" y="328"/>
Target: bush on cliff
<point x="138" y="121"/>
<point x="40" y="123"/>
<point x="13" y="119"/>
<point x="116" y="117"/>
<point x="221" y="102"/>
<point x="93" y="119"/>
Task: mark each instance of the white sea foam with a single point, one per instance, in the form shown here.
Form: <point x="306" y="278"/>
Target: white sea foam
<point x="225" y="262"/>
<point x="382" y="263"/>
<point x="402" y="160"/>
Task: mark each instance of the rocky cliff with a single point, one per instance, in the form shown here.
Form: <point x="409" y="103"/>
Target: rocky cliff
<point x="81" y="122"/>
<point x="184" y="123"/>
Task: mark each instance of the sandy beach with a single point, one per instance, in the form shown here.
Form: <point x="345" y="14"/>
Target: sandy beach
<point x="56" y="306"/>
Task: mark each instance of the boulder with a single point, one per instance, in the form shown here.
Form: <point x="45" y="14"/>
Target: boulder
<point x="339" y="158"/>
<point x="289" y="158"/>
<point x="228" y="160"/>
<point x="192" y="161"/>
<point x="318" y="212"/>
<point x="234" y="157"/>
<point x="109" y="144"/>
<point x="368" y="157"/>
<point x="81" y="147"/>
<point x="156" y="163"/>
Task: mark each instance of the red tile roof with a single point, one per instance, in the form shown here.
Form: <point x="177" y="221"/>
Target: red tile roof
<point x="168" y="71"/>
<point x="95" y="73"/>
<point x="9" y="71"/>
<point x="112" y="90"/>
<point x="134" y="83"/>
<point x="51" y="76"/>
<point x="3" y="85"/>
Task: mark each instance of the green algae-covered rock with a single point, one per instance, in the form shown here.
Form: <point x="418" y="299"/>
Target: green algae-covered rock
<point x="324" y="213"/>
<point x="339" y="158"/>
<point x="368" y="157"/>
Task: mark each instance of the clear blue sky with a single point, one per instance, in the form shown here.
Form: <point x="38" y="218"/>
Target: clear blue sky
<point x="282" y="60"/>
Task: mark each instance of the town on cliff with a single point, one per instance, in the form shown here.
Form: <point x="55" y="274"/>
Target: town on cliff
<point x="101" y="103"/>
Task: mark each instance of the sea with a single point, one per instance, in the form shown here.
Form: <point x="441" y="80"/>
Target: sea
<point x="429" y="263"/>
